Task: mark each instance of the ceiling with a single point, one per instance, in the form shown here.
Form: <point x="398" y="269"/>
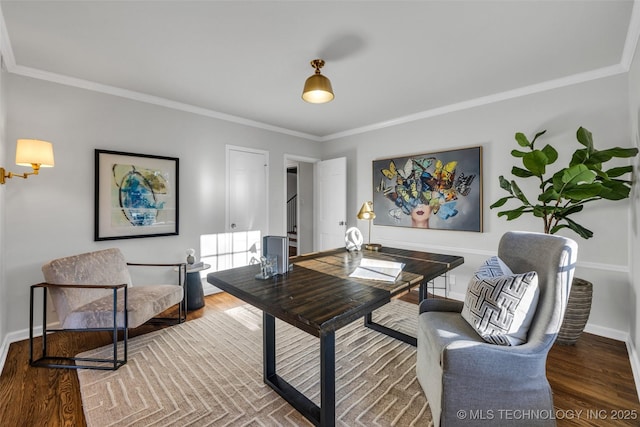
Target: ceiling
<point x="388" y="61"/>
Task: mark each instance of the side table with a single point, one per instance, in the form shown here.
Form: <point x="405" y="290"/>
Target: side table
<point x="195" y="295"/>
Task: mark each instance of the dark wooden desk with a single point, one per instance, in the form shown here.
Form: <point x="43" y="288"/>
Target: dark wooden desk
<point x="319" y="297"/>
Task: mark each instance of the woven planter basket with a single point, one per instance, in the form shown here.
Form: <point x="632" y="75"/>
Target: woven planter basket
<point x="577" y="313"/>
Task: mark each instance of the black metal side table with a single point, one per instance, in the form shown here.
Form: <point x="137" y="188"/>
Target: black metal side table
<point x="195" y="294"/>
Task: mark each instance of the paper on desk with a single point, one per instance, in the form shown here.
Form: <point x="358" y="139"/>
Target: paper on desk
<point x="375" y="269"/>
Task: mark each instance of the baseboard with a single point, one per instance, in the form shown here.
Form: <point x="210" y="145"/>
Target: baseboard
<point x="4" y="349"/>
<point x="16" y="336"/>
<point x="602" y="331"/>
<point x="635" y="364"/>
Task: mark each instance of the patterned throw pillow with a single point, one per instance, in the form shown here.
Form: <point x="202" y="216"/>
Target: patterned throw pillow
<point x="499" y="304"/>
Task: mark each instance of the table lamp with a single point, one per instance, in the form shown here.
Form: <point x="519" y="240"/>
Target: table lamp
<point x="366" y="213"/>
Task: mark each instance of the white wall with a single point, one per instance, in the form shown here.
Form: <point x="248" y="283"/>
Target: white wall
<point x="52" y="215"/>
<point x="634" y="226"/>
<point x="305" y="201"/>
<point x="601" y="106"/>
<point x="4" y="302"/>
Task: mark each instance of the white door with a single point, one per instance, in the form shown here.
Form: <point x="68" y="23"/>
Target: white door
<point x="332" y="203"/>
<point x="247" y="190"/>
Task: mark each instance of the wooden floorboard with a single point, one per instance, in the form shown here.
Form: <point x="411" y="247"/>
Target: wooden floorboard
<point x="592" y="381"/>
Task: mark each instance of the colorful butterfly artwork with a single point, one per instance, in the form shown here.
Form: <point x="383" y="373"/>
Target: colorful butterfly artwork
<point x="463" y="184"/>
<point x="449" y="194"/>
<point x="382" y="188"/>
<point x="407" y="171"/>
<point x="391" y="172"/>
<point x="396" y="214"/>
<point x="426" y="179"/>
<point x="421" y="165"/>
<point x="445" y="174"/>
<point x="448" y="210"/>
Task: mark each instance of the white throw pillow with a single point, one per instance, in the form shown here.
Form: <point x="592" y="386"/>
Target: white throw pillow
<point x="499" y="304"/>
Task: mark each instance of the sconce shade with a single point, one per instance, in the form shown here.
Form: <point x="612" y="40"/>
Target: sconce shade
<point x="317" y="88"/>
<point x="366" y="211"/>
<point x="34" y="151"/>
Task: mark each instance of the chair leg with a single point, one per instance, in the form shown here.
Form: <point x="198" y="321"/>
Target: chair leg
<point x="48" y="361"/>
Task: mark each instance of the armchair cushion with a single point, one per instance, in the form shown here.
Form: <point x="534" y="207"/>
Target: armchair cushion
<point x="93" y="308"/>
<point x="144" y="303"/>
<point x="500" y="305"/>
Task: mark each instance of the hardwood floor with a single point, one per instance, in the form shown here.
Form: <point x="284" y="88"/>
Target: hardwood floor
<point x="592" y="381"/>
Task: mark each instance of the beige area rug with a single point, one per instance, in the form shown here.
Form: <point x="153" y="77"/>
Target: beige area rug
<point x="208" y="372"/>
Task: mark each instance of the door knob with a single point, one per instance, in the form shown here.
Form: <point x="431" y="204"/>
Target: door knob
<point x="233" y="225"/>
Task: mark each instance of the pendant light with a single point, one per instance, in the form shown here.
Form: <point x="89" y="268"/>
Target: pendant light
<point x="317" y="88"/>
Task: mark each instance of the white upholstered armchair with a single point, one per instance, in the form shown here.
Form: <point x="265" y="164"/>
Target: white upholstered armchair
<point x="93" y="292"/>
<point x="469" y="381"/>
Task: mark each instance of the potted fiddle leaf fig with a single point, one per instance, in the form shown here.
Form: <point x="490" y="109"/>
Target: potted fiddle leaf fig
<point x="562" y="194"/>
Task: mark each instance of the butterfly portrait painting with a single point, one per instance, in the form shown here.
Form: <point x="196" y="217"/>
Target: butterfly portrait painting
<point x="440" y="190"/>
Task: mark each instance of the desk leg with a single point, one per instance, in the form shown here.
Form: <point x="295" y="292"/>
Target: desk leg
<point x="327" y="379"/>
<point x="369" y="323"/>
<point x="320" y="416"/>
<point x="269" y="345"/>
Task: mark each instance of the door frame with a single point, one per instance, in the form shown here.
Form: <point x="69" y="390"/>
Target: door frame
<point x="227" y="149"/>
<point x="295" y="158"/>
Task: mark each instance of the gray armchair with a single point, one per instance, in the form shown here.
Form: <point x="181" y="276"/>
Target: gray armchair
<point x="469" y="381"/>
<point x="93" y="292"/>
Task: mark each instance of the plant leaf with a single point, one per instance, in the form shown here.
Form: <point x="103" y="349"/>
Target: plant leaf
<point x="512" y="214"/>
<point x="579" y="157"/>
<point x="551" y="153"/>
<point x="550" y="194"/>
<point x="536" y="162"/>
<point x="585" y="138"/>
<point x="518" y="193"/>
<point x="619" y="171"/>
<point x="577" y="174"/>
<point x="505" y="184"/>
<point x="583" y="191"/>
<point x="618" y="152"/>
<point x="521" y="173"/>
<point x="569" y="210"/>
<point x="522" y="140"/>
<point x="582" y="232"/>
<point x="615" y="190"/>
<point x="516" y="153"/>
<point x="501" y="202"/>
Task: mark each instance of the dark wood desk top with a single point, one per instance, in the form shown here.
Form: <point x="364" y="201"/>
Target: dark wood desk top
<point x="319" y="296"/>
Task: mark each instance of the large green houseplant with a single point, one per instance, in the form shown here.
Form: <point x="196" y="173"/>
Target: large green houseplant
<point x="565" y="192"/>
<point x="561" y="195"/>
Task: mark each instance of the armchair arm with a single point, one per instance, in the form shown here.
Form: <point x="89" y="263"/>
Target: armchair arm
<point x="507" y="363"/>
<point x="143" y="264"/>
<point x="180" y="267"/>
<point x="434" y="304"/>
<point x="83" y="286"/>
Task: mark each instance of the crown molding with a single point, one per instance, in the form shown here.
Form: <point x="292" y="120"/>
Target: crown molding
<point x="486" y="100"/>
<point x="151" y="99"/>
<point x="631" y="41"/>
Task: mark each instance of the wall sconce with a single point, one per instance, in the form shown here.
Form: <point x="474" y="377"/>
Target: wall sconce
<point x="30" y="152"/>
<point x="366" y="212"/>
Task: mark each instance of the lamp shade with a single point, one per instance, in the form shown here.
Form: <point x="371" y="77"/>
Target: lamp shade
<point x="317" y="89"/>
<point x="34" y="151"/>
<point x="366" y="211"/>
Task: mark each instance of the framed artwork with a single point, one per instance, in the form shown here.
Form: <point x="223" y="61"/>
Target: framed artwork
<point x="136" y="195"/>
<point x="440" y="190"/>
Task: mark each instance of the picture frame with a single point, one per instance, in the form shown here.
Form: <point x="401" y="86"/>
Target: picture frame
<point x="136" y="195"/>
<point x="438" y="190"/>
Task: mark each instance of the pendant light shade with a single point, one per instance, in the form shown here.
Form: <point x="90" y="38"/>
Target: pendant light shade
<point x="317" y="88"/>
